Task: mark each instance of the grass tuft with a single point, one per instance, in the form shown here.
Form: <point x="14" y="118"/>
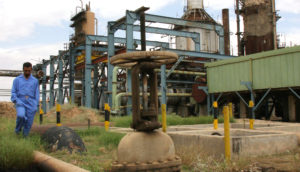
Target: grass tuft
<point x="16" y="152"/>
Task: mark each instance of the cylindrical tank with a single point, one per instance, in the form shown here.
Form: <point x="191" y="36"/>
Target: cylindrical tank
<point x="209" y="40"/>
<point x="89" y="25"/>
<point x="194" y="4"/>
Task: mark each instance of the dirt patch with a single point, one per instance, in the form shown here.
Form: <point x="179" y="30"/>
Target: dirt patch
<point x="74" y="114"/>
<point x="7" y="109"/>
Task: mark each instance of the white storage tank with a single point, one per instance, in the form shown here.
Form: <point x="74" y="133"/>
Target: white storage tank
<point x="209" y="40"/>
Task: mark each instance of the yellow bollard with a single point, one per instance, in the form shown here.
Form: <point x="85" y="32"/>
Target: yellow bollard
<point x="227" y="134"/>
<point x="58" y="109"/>
<point x="230" y="110"/>
<point x="107" y="115"/>
<point x="215" y="106"/>
<point x="164" y="117"/>
<point x="41" y="116"/>
<point x="251" y="120"/>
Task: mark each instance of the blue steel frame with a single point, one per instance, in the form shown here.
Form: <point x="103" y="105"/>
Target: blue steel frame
<point x="127" y="23"/>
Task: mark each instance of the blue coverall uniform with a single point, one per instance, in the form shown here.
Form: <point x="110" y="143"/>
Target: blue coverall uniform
<point x="25" y="94"/>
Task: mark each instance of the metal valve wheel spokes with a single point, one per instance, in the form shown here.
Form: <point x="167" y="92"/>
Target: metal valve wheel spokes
<point x="155" y="58"/>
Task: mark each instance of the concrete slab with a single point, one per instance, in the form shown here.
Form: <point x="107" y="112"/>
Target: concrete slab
<point x="243" y="142"/>
<point x="292" y="129"/>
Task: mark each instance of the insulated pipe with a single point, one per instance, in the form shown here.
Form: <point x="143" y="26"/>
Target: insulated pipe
<point x="48" y="163"/>
<point x="118" y="98"/>
<point x="182" y="72"/>
<point x="114" y="86"/>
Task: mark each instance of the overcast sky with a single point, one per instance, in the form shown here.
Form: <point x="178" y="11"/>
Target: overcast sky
<point x="32" y="30"/>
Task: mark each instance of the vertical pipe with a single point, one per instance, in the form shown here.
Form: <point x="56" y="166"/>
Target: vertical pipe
<point x="58" y="109"/>
<point x="44" y="105"/>
<point x="114" y="87"/>
<point x="143" y="30"/>
<point x="52" y="99"/>
<point x="274" y="24"/>
<point x="225" y="15"/>
<point x="215" y="106"/>
<point x="238" y="33"/>
<point x="111" y="52"/>
<point x="87" y="72"/>
<point x="227" y="134"/>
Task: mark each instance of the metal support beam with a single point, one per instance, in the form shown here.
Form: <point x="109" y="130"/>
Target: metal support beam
<point x="295" y="93"/>
<point x="72" y="74"/>
<point x="174" y="66"/>
<point x="164" y="31"/>
<point x="199" y="54"/>
<point x="262" y="99"/>
<point x="95" y="89"/>
<point x="122" y="41"/>
<point x="87" y="73"/>
<point x="44" y="105"/>
<point x="238" y="94"/>
<point x="129" y="47"/>
<point x="60" y="79"/>
<point x="176" y="21"/>
<point x="249" y="86"/>
<point x="52" y="100"/>
<point x="163" y="85"/>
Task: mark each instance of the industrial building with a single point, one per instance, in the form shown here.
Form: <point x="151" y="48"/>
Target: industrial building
<point x="188" y="87"/>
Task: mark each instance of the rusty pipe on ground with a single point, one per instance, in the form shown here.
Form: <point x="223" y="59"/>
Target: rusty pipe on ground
<point x="47" y="163"/>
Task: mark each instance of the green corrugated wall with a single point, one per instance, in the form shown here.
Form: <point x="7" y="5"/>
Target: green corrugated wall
<point x="272" y="69"/>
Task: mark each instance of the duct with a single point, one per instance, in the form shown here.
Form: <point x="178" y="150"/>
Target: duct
<point x="117" y="100"/>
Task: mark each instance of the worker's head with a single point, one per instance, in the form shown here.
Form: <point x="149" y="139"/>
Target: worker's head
<point x="27" y="68"/>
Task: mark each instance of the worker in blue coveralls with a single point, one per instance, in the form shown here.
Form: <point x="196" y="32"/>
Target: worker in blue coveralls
<point x="25" y="95"/>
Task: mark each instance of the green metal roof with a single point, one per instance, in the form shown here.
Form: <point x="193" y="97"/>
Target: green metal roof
<point x="271" y="69"/>
<point x="254" y="56"/>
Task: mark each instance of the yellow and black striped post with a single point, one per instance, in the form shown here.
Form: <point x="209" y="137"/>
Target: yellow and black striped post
<point x="227" y="134"/>
<point x="215" y="106"/>
<point x="251" y="120"/>
<point x="106" y="116"/>
<point x="58" y="109"/>
<point x="41" y="116"/>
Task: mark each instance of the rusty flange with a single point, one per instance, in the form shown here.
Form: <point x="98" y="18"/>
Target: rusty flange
<point x="169" y="165"/>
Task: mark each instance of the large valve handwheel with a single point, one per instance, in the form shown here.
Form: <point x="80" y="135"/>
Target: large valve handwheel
<point x="155" y="58"/>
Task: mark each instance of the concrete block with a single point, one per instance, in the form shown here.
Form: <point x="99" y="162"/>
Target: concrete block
<point x="243" y="142"/>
